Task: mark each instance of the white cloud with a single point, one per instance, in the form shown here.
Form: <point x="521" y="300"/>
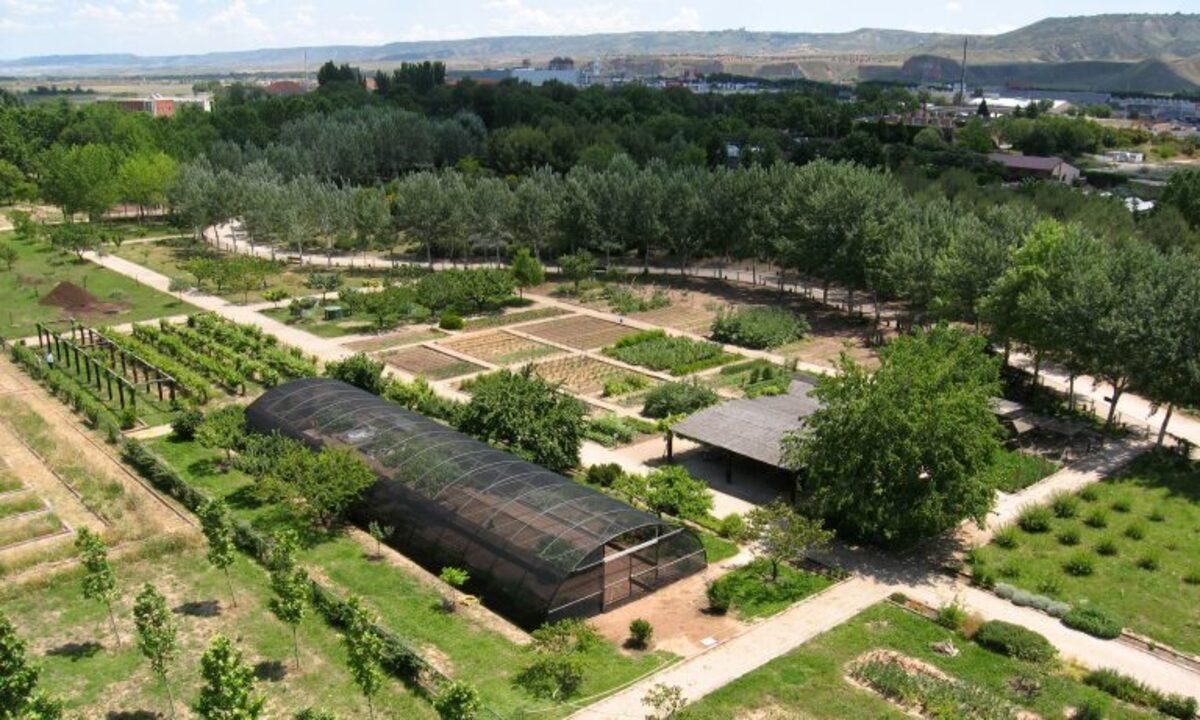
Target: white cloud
<point x="519" y="17"/>
<point x="686" y="18"/>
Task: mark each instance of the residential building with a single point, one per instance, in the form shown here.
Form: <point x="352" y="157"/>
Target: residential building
<point x="1051" y="168"/>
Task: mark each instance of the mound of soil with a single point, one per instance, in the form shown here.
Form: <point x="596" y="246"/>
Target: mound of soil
<point x="71" y="297"/>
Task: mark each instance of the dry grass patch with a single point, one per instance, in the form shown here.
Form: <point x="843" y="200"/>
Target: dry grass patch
<point x="429" y="363"/>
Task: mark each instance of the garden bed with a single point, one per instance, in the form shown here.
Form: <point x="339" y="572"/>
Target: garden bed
<point x="499" y="348"/>
<point x="512" y="318"/>
<point x="656" y="350"/>
<point x="810" y="682"/>
<point x="429" y="363"/>
<point x="583" y="375"/>
<point x="1127" y="545"/>
<point x="582" y="332"/>
<point x="409" y="336"/>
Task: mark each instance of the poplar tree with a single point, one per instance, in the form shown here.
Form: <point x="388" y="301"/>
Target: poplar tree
<point x="99" y="582"/>
<point x="19" y="694"/>
<point x="228" y="691"/>
<point x="158" y="637"/>
<point x="218" y="531"/>
<point x="364" y="649"/>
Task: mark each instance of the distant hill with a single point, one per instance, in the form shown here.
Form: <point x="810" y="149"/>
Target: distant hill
<point x="1152" y="53"/>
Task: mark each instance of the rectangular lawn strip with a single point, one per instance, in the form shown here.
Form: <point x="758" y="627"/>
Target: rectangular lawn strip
<point x="717" y="548"/>
<point x="409" y="608"/>
<point x="318" y="326"/>
<point x="108" y="681"/>
<point x="17" y="530"/>
<point x="38" y="270"/>
<point x="755" y="595"/>
<point x="1138" y="535"/>
<point x="9" y="481"/>
<point x="511" y="318"/>
<point x="19" y="503"/>
<point x="1013" y="470"/>
<point x="809" y="682"/>
<point x="582" y="332"/>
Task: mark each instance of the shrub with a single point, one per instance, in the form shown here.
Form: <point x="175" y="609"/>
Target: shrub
<point x="1122" y="505"/>
<point x="458" y="701"/>
<point x="1093" y="621"/>
<point x="1022" y="598"/>
<point x="1136" y="531"/>
<point x="1004" y="590"/>
<point x="1069" y="536"/>
<point x="759" y="328"/>
<point x="1015" y="641"/>
<point x="1050" y="586"/>
<point x="1058" y="609"/>
<point x="184" y="424"/>
<point x="1064" y="506"/>
<point x="553" y="677"/>
<point x="1088" y="494"/>
<point x="1010" y="569"/>
<point x="450" y="321"/>
<point x="1148" y="562"/>
<point x="1106" y="547"/>
<point x="1096" y="519"/>
<point x="677" y="398"/>
<point x="604" y="474"/>
<point x="951" y="615"/>
<point x="970" y="626"/>
<point x="128" y="417"/>
<point x="624" y="384"/>
<point x="1132" y="691"/>
<point x="658" y="351"/>
<point x="454" y="577"/>
<point x="898" y="597"/>
<point x="1006" y="538"/>
<point x="1079" y="565"/>
<point x="1177" y="706"/>
<point x="1089" y="710"/>
<point x="640" y="632"/>
<point x="1157" y="515"/>
<point x="720" y="597"/>
<point x="1192" y="577"/>
<point x="1035" y="519"/>
<point x="732" y="527"/>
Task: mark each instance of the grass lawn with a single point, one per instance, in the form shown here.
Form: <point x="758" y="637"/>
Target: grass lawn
<point x="1012" y="470"/>
<point x="1157" y="498"/>
<point x="169" y="256"/>
<point x="19" y="503"/>
<point x="809" y="682"/>
<point x="70" y="638"/>
<point x="461" y="647"/>
<point x="313" y="323"/>
<point x="38" y="269"/>
<point x="717" y="548"/>
<point x="756" y="596"/>
<point x="15" y="530"/>
<point x="9" y="481"/>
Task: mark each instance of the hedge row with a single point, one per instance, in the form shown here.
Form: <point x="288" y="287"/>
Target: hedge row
<point x="1015" y="641"/>
<point x="1130" y="690"/>
<point x="399" y="658"/>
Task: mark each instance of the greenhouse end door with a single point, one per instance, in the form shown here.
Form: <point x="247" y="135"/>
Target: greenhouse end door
<point x="630" y="573"/>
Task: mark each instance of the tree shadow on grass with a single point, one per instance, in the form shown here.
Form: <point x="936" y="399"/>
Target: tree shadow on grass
<point x="76" y="651"/>
<point x="200" y="608"/>
<point x="132" y="715"/>
<point x="270" y="671"/>
<point x="245" y="498"/>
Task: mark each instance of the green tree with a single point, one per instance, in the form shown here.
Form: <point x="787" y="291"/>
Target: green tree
<point x="380" y="532"/>
<point x="228" y="690"/>
<point x="326" y="282"/>
<point x="20" y="698"/>
<point x="784" y="535"/>
<point x="975" y="137"/>
<point x="143" y="179"/>
<point x="290" y="604"/>
<point x="72" y="238"/>
<point x="672" y="490"/>
<point x="577" y="267"/>
<point x="157" y="635"/>
<point x="527" y="415"/>
<point x="223" y="429"/>
<point x="81" y="178"/>
<point x="13" y="185"/>
<point x="364" y="650"/>
<point x="324" y="484"/>
<point x="897" y="455"/>
<point x="8" y="255"/>
<point x="360" y="370"/>
<point x="526" y="270"/>
<point x="1183" y="193"/>
<point x="25" y="228"/>
<point x="217" y="526"/>
<point x="99" y="582"/>
<point x="458" y="701"/>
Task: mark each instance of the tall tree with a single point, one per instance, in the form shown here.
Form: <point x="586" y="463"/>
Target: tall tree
<point x="364" y="650"/>
<point x="896" y="455"/>
<point x="20" y="698"/>
<point x="228" y="690"/>
<point x="157" y="635"/>
<point x="783" y="535"/>
<point x="217" y="526"/>
<point x="99" y="581"/>
<point x="290" y="604"/>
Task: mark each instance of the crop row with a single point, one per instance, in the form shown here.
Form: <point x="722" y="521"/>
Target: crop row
<point x="188" y="381"/>
<point x="251" y="340"/>
<point x="219" y="372"/>
<point x="246" y="365"/>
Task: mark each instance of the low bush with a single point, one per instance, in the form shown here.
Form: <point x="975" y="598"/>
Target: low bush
<point x="1035" y="519"/>
<point x="624" y="384"/>
<point x="1089" y="710"/>
<point x="640" y="632"/>
<point x="932" y="696"/>
<point x="450" y="321"/>
<point x="759" y="328"/>
<point x="1192" y="577"/>
<point x="1148" y="563"/>
<point x="1079" y="565"/>
<point x="951" y="615"/>
<point x="1004" y="590"/>
<point x="1096" y="519"/>
<point x="1132" y="691"/>
<point x="720" y="597"/>
<point x="656" y="350"/>
<point x="677" y="398"/>
<point x="1088" y="494"/>
<point x="732" y="527"/>
<point x="1136" y="531"/>
<point x="1069" y="536"/>
<point x="604" y="474"/>
<point x="1093" y="621"/>
<point x="1064" y="506"/>
<point x="1157" y="515"/>
<point x="1122" y="505"/>
<point x="1107" y="547"/>
<point x="1015" y="641"/>
<point x="184" y="424"/>
<point x="1006" y="538"/>
<point x="553" y="677"/>
<point x="1050" y="586"/>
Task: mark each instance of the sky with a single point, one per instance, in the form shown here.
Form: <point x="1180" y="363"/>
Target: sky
<point x="170" y="27"/>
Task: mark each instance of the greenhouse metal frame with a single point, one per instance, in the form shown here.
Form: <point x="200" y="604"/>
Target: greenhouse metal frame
<point x="537" y="544"/>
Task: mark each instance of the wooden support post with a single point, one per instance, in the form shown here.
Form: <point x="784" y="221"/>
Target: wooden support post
<point x="160" y="386"/>
<point x="108" y="379"/>
<point x="87" y="366"/>
<point x="172" y="392"/>
<point x="121" y="393"/>
<point x="670" y="446"/>
<point x="124" y="370"/>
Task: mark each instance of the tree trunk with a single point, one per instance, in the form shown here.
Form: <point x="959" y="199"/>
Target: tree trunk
<point x="1162" y="429"/>
<point x="1037" y="367"/>
<point x="1112" y="406"/>
<point x="370" y="708"/>
<point x="1071" y="392"/>
<point x="229" y="582"/>
<point x="296" y="646"/>
<point x="112" y="619"/>
<point x="170" y="697"/>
